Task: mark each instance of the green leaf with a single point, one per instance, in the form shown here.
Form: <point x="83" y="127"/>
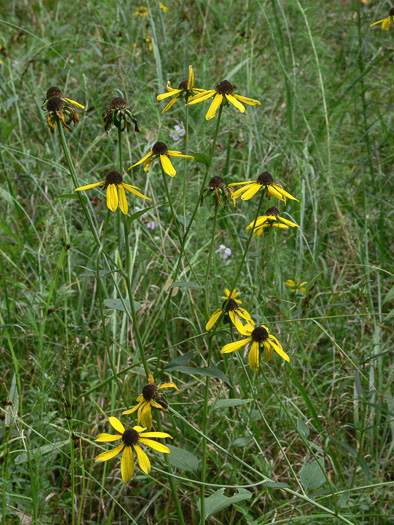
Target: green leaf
<point x="45" y="449"/>
<point x="141" y="212"/>
<point x="6" y="195"/>
<point x="241" y="442"/>
<point x="226" y="403"/>
<point x="179" y="360"/>
<point x="218" y="501"/>
<point x="302" y="429"/>
<point x="186" y="284"/>
<point x="359" y="387"/>
<point x="201" y="158"/>
<point x="73" y="196"/>
<point x="342" y="502"/>
<point x="182" y="459"/>
<point x="275" y="484"/>
<point x="116" y="304"/>
<point x="212" y="371"/>
<point x="389" y="297"/>
<point x="311" y="475"/>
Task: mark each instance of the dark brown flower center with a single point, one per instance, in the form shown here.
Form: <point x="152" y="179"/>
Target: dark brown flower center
<point x="55" y="104"/>
<point x="149" y="392"/>
<point x="273" y="211"/>
<point x="265" y="179"/>
<point x="54" y="92"/>
<point x="231" y="305"/>
<point x="259" y="334"/>
<point x="159" y="148"/>
<point x="130" y="437"/>
<point x="184" y="84"/>
<point x="113" y="177"/>
<point x="118" y="103"/>
<point x="225" y="88"/>
<point x="391" y="13"/>
<point x="216" y="182"/>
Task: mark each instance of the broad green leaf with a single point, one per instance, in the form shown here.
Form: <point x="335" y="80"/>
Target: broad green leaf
<point x="179" y="360"/>
<point x="311" y="475"/>
<point x="241" y="442"/>
<point x="201" y="158"/>
<point x="342" y="502"/>
<point x="226" y="403"/>
<point x="186" y="284"/>
<point x="182" y="459"/>
<point x="141" y="212"/>
<point x="218" y="501"/>
<point x="116" y="304"/>
<point x="302" y="429"/>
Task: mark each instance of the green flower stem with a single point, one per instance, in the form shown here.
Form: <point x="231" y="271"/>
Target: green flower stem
<point x="171" y="480"/>
<point x="120" y="152"/>
<point x="184" y="240"/>
<point x="206" y="393"/>
<point x="186" y="164"/>
<point x="174" y="217"/>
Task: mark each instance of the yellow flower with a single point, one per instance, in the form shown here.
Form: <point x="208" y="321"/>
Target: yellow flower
<point x="113" y="183"/>
<point x="58" y="111"/>
<point x="141" y="12"/>
<point x="296" y="286"/>
<point x="257" y="336"/>
<point x="120" y="115"/>
<point x="160" y="150"/>
<point x="185" y="89"/>
<point x="269" y="219"/>
<point x="265" y="180"/>
<point x="233" y="295"/>
<point x="132" y="438"/>
<point x="163" y="7"/>
<point x="223" y="94"/>
<point x="56" y="92"/>
<point x="149" y="398"/>
<point x="387" y="21"/>
<point x="231" y="307"/>
<point x="217" y="187"/>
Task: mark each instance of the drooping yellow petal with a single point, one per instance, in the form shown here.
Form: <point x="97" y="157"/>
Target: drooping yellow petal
<point x="170" y="94"/>
<point x="241" y="183"/>
<point x="303" y="283"/>
<point x="105" y="456"/>
<point x="107" y="438"/>
<point x="260" y="220"/>
<point x="247" y="329"/>
<point x="232" y="347"/>
<point x="139" y="429"/>
<point x="116" y="424"/>
<point x="279" y="351"/>
<point x="112" y="197"/>
<point x="290" y="282"/>
<point x="190" y="83"/>
<point x="134" y="408"/>
<point x="246" y="100"/>
<point x="155" y="445"/>
<point x="145" y="415"/>
<point x="387" y="23"/>
<point x="214" y="106"/>
<point x="279" y="188"/>
<point x="236" y="103"/>
<point x="170" y="104"/>
<point x="289" y="223"/>
<point x="239" y="192"/>
<point x="267" y="351"/>
<point x="178" y="154"/>
<point x="74" y="103"/>
<point x="200" y="97"/>
<point x="147" y="164"/>
<point x="235" y="320"/>
<point x="169" y="385"/>
<point x="281" y="226"/>
<point x="251" y="192"/>
<point x="82" y="188"/>
<point x="243" y="313"/>
<point x="254" y="357"/>
<point x="151" y="379"/>
<point x="142" y="160"/>
<point x="275" y="193"/>
<point x="167" y="165"/>
<point x="135" y="192"/>
<point x="378" y="22"/>
<point x="127" y="464"/>
<point x="143" y="459"/>
<point x="302" y="289"/>
<point x="212" y="320"/>
<point x="157" y="405"/>
<point x="155" y="435"/>
<point x="122" y="200"/>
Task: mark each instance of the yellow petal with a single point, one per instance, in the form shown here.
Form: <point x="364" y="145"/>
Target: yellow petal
<point x="105" y="456"/>
<point x="303" y="283"/>
<point x="254" y="357"/>
<point x="167" y="166"/>
<point x="204" y="95"/>
<point x="133" y="409"/>
<point x="142" y="160"/>
<point x="122" y="200"/>
<point x="145" y="415"/>
<point x="106" y="438"/>
<point x="143" y="459"/>
<point x="178" y="154"/>
<point x="170" y="104"/>
<point x="214" y="106"/>
<point x="212" y="320"/>
<point x="82" y="188"/>
<point x="190" y="83"/>
<point x="232" y="347"/>
<point x="279" y="351"/>
<point x="235" y="320"/>
<point x="139" y="429"/>
<point x="116" y="424"/>
<point x="275" y="193"/>
<point x="246" y="100"/>
<point x="260" y="220"/>
<point x="243" y="313"/>
<point x="241" y="183"/>
<point x="127" y="464"/>
<point x="379" y="22"/>
<point x="267" y="352"/>
<point x="147" y="164"/>
<point x="251" y="192"/>
<point x="290" y="282"/>
<point x="132" y="190"/>
<point x="112" y="197"/>
<point x="239" y="192"/>
<point x="74" y="103"/>
<point x="236" y="103"/>
<point x="247" y="329"/>
<point x="156" y="435"/>
<point x="387" y="23"/>
<point x="289" y="223"/>
<point x="155" y="445"/>
<point x="279" y="188"/>
<point x="170" y="94"/>
<point x="169" y="385"/>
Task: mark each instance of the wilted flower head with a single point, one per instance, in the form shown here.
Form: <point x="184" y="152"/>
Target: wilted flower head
<point x="56" y="92"/>
<point x="58" y="111"/>
<point x="119" y="115"/>
<point x="217" y="187"/>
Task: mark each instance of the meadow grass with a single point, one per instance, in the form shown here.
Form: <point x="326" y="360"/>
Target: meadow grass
<point x="310" y="441"/>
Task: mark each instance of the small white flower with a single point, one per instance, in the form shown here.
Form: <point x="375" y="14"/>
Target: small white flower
<point x="151" y="225"/>
<point x="178" y="133"/>
<point x="224" y="252"/>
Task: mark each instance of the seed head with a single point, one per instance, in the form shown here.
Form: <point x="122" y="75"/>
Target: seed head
<point x="130" y="437"/>
<point x="216" y="182"/>
<point x="118" y="103"/>
<point x="149" y="392"/>
<point x="231" y="305"/>
<point x="273" y="211"/>
<point x="159" y="148"/>
<point x="265" y="179"/>
<point x="225" y="88"/>
<point x="259" y="334"/>
<point x="184" y="84"/>
<point x="113" y="177"/>
<point x="54" y="92"/>
<point x="391" y="13"/>
<point x="55" y="104"/>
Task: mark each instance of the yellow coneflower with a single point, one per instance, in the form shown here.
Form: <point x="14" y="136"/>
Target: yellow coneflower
<point x="387" y="21"/>
<point x="132" y="438"/>
<point x="235" y="312"/>
<point x="119" y="115"/>
<point x="233" y="295"/>
<point x="265" y="180"/>
<point x="223" y="93"/>
<point x="300" y="287"/>
<point x="58" y="111"/>
<point x="143" y="11"/>
<point x="269" y="220"/>
<point x="218" y="187"/>
<point x="160" y="150"/>
<point x="185" y="89"/>
<point x="113" y="183"/>
<point x="56" y="92"/>
<point x="149" y="398"/>
<point x="257" y="336"/>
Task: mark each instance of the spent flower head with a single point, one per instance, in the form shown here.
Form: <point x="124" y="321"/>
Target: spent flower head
<point x="119" y="114"/>
<point x="114" y="186"/>
<point x="131" y="440"/>
<point x="160" y="150"/>
<point x="264" y="180"/>
<point x="217" y="188"/>
<point x="57" y="92"/>
<point x="59" y="112"/>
